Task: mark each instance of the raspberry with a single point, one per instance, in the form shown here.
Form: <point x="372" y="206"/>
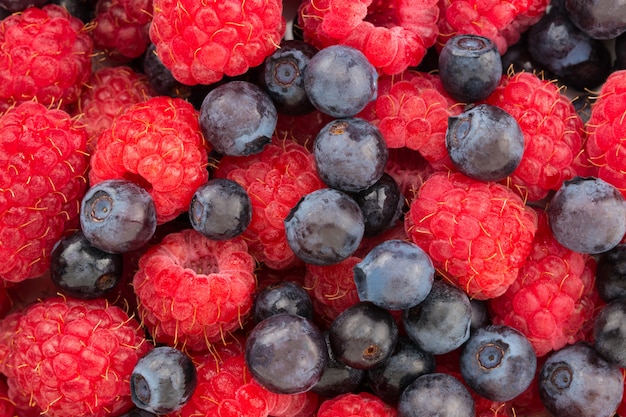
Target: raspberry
<point x="45" y="55"/>
<point x="200" y="42"/>
<point x="275" y="179"/>
<point x="410" y="169"/>
<point x="192" y="290"/>
<point x="553" y="296"/>
<point x="74" y="357"/>
<point x="121" y="27"/>
<point x="112" y="91"/>
<point x="352" y="405"/>
<point x="7" y="407"/>
<point x="43" y="163"/>
<point x="392" y="35"/>
<point x="412" y="111"/>
<point x="553" y="133"/>
<point x="226" y="389"/>
<point x="606" y="132"/>
<point x="158" y="145"/>
<point x="302" y="129"/>
<point x="477" y="234"/>
<point x="502" y="21"/>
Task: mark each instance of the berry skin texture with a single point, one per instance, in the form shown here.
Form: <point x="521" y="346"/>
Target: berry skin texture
<point x="477" y="234"/>
<point x="74" y="358"/>
<point x="553" y="133"/>
<point x="606" y="130"/>
<point x="202" y="42"/>
<point x="356" y="404"/>
<point x="121" y="27"/>
<point x="192" y="290"/>
<point x="158" y="145"/>
<point x="46" y="56"/>
<point x="43" y="163"/>
<point x="392" y="37"/>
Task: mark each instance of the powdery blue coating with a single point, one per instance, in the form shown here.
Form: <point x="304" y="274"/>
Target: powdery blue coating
<point x="577" y="382"/>
<point x="609" y="332"/>
<point x="436" y="395"/>
<point x="395" y="275"/>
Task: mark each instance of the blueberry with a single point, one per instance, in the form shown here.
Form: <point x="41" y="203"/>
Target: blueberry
<point x="577" y="382"/>
<point x="138" y="412"/>
<point x="220" y="209"/>
<point x="363" y="335"/>
<point x="485" y="142"/>
<point x="80" y="270"/>
<point x="436" y="395"/>
<point x="282" y="297"/>
<point x="611" y="274"/>
<point x="587" y="215"/>
<point x="350" y="154"/>
<point x="470" y="67"/>
<point x="337" y="378"/>
<point x="163" y="380"/>
<point x="381" y="203"/>
<point x="407" y="363"/>
<point x="609" y="332"/>
<point x="238" y="118"/>
<point x="340" y="81"/>
<point x="517" y="58"/>
<point x="620" y="52"/>
<point x="600" y="19"/>
<point x="282" y="77"/>
<point x="480" y="314"/>
<point x="117" y="216"/>
<point x="395" y="275"/>
<point x="498" y="362"/>
<point x="286" y="353"/>
<point x="441" y="323"/>
<point x="325" y="227"/>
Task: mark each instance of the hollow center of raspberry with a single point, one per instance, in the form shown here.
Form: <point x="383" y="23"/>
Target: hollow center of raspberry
<point x="203" y="265"/>
<point x="382" y="13"/>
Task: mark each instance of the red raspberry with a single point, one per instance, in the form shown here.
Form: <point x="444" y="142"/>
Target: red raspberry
<point x="111" y="91"/>
<point x="553" y="296"/>
<point x="553" y="133"/>
<point x="192" y="290"/>
<point x="412" y="111"/>
<point x="200" y="42"/>
<point x="7" y="407"/>
<point x="394" y="35"/>
<point x="352" y="405"/>
<point x="410" y="169"/>
<point x="75" y="357"/>
<point x="275" y="179"/>
<point x="302" y="129"/>
<point x="121" y="27"/>
<point x="477" y="234"/>
<point x="43" y="163"/>
<point x="45" y="54"/>
<point x="157" y="144"/>
<point x="502" y="21"/>
<point x="606" y="132"/>
<point x="226" y="388"/>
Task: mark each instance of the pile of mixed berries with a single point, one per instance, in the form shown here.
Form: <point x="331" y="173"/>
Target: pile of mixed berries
<point x="297" y="208"/>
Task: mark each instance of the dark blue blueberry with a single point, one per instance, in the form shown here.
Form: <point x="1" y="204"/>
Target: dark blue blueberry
<point x="620" y="52"/>
<point x="85" y="10"/>
<point x="337" y="378"/>
<point x="325" y="227"/>
<point x="609" y="332"/>
<point x="611" y="274"/>
<point x="220" y="209"/>
<point x="577" y="382"/>
<point x="600" y="19"/>
<point x="363" y="335"/>
<point x="485" y="143"/>
<point x="470" y="67"/>
<point x="286" y="353"/>
<point x="238" y="118"/>
<point x="567" y="52"/>
<point x="407" y="363"/>
<point x="436" y="395"/>
<point x="138" y="412"/>
<point x="117" y="216"/>
<point x="350" y="154"/>
<point x="480" y="314"/>
<point x="340" y="81"/>
<point x="381" y="204"/>
<point x="163" y="380"/>
<point x="440" y="323"/>
<point x="498" y="362"/>
<point x="80" y="270"/>
<point x="12" y="6"/>
<point x="517" y="58"/>
<point x="395" y="275"/>
<point x="282" y="77"/>
<point x="587" y="215"/>
<point x="282" y="297"/>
